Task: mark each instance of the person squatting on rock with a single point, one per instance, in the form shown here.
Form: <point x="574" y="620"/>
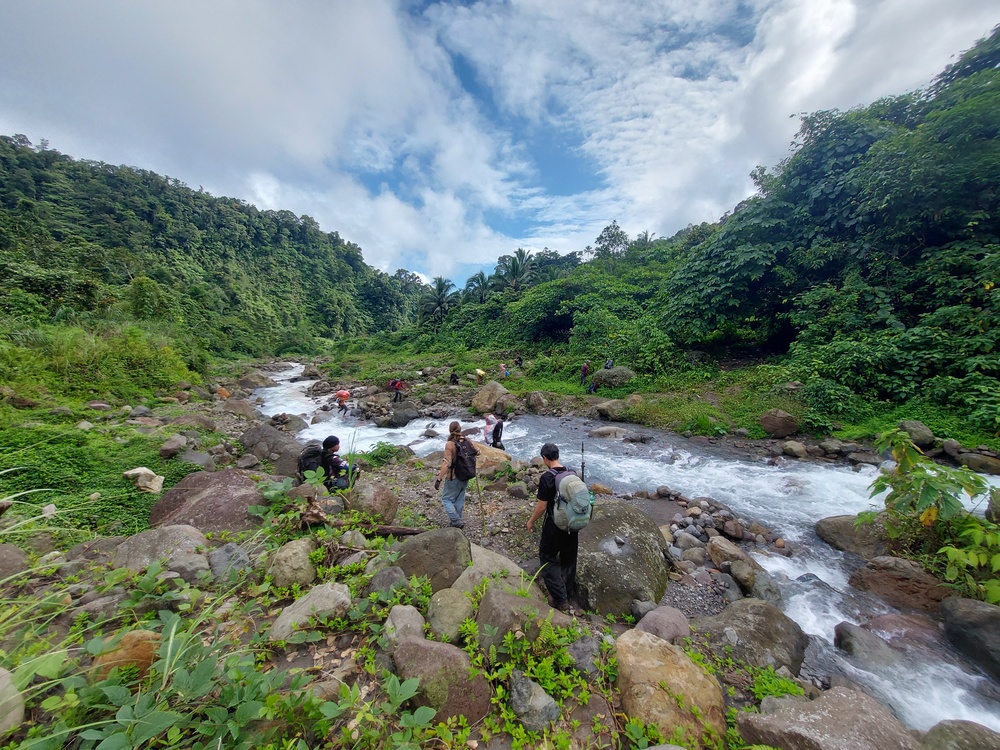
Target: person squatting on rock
<point x="335" y="469"/>
<point x="454" y="472"/>
<point x="557" y="549"/>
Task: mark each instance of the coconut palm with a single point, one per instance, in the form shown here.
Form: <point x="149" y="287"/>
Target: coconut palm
<point x="515" y="272"/>
<point x="477" y="288"/>
<point x="436" y="301"/>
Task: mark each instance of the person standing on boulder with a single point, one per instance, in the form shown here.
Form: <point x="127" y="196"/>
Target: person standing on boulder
<point x="457" y="467"/>
<point x="557" y="549"/>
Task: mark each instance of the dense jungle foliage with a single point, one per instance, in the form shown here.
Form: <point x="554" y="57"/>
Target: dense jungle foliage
<point x="867" y="260"/>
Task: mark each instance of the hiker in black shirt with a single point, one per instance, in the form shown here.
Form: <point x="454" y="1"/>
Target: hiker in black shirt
<point x="557" y="549"/>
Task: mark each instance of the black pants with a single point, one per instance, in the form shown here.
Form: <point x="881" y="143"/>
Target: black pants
<point x="557" y="552"/>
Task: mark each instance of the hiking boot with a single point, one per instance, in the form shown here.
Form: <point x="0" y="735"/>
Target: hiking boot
<point x="570" y="609"/>
<point x="458" y="524"/>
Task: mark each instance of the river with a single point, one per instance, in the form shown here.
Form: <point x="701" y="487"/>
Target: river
<point x="923" y="688"/>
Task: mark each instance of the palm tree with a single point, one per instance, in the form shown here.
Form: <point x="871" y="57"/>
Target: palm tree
<point x="515" y="272"/>
<point x="477" y="288"/>
<point x="436" y="301"/>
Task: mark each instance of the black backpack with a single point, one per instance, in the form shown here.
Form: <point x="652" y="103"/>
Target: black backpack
<point x="497" y="433"/>
<point x="464" y="465"/>
<point x="309" y="460"/>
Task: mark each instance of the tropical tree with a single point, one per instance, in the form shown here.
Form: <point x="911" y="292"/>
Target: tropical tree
<point x="515" y="272"/>
<point x="611" y="243"/>
<point x="477" y="288"/>
<point x="436" y="301"/>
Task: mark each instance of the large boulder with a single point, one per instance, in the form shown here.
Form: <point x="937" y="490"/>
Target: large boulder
<point x="211" y="501"/>
<point x="402" y="414"/>
<point x="919" y="433"/>
<point x="183" y="549"/>
<point x="536" y="402"/>
<point x="667" y="623"/>
<point x="867" y="540"/>
<point x="778" y="423"/>
<point x="613" y="377"/>
<point x="956" y="734"/>
<point x="441" y="555"/>
<point x="255" y="379"/>
<point x="446" y="612"/>
<point x="446" y="682"/>
<point x="291" y="563"/>
<point x="756" y="632"/>
<point x="497" y="570"/>
<point x="375" y="499"/>
<point x="839" y="719"/>
<point x="865" y="648"/>
<point x="328" y="600"/>
<point x="660" y="685"/>
<point x="979" y="462"/>
<point x="973" y="627"/>
<point x="902" y="583"/>
<point x="621" y="558"/>
<point x="486" y="397"/>
<point x="269" y="444"/>
<point x="612" y="410"/>
<point x="501" y="612"/>
<point x="13" y="561"/>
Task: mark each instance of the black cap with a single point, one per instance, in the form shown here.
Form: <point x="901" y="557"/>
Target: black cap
<point x="550" y="451"/>
<point x="330" y="442"/>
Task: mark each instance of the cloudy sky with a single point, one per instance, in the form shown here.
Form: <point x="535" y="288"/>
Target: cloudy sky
<point x="440" y="135"/>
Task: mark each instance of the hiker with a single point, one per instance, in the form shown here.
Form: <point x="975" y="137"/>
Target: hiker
<point x="504" y="372"/>
<point x="557" y="549"/>
<point x="400" y="390"/>
<point x="480" y="374"/>
<point x="518" y="362"/>
<point x="592" y="388"/>
<point x="334" y="467"/>
<point x="584" y="372"/>
<point x="453" y="378"/>
<point x="342" y="395"/>
<point x="488" y="429"/>
<point x="609" y="363"/>
<point x="497" y="433"/>
<point x="457" y="467"/>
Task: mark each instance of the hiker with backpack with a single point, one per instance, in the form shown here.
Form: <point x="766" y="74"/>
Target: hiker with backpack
<point x="497" y="433"/>
<point x="342" y="395"/>
<point x="488" y="429"/>
<point x="337" y="470"/>
<point x="457" y="468"/>
<point x="584" y="372"/>
<point x="566" y="503"/>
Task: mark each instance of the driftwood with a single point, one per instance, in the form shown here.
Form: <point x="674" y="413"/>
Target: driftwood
<point x="313" y="515"/>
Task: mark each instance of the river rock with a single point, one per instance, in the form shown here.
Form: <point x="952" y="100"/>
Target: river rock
<point x="607" y="432"/>
<point x="374" y="498"/>
<point x="864" y="647"/>
<point x="501" y="612"/>
<point x="11" y="703"/>
<point x="536" y="402"/>
<point x="486" y="398"/>
<point x="211" y="501"/>
<point x="613" y="377"/>
<point x="902" y="583"/>
<point x="839" y="719"/>
<point x="907" y="631"/>
<point x="955" y="734"/>
<point x="919" y="433"/>
<point x="183" y="548"/>
<point x="757" y="632"/>
<point x="173" y="446"/>
<point x="291" y="564"/>
<point x="621" y="558"/>
<point x="255" y="379"/>
<point x="446" y="611"/>
<point x="445" y="683"/>
<point x="530" y="703"/>
<point x="402" y="414"/>
<point x="228" y="559"/>
<point x="612" y="410"/>
<point x="667" y="623"/>
<point x="404" y="621"/>
<point x="778" y="423"/>
<point x="199" y="421"/>
<point x="441" y="555"/>
<point x="327" y="600"/>
<point x="145" y="480"/>
<point x="497" y="570"/>
<point x="795" y="449"/>
<point x="13" y="560"/>
<point x="993" y="507"/>
<point x="269" y="444"/>
<point x="973" y="627"/>
<point x="867" y="540"/>
<point x="978" y="462"/>
<point x="653" y="673"/>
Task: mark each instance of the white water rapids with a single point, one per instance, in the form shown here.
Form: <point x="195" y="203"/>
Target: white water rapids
<point x="924" y="687"/>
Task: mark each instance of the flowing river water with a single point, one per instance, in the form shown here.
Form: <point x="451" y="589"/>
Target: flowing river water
<point x="925" y="686"/>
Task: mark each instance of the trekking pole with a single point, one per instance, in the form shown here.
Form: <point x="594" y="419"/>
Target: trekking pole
<point x="482" y="507"/>
<point x="583" y="464"/>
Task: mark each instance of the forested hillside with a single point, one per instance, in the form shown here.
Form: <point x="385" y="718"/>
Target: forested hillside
<point x="81" y="240"/>
<point x="869" y="255"/>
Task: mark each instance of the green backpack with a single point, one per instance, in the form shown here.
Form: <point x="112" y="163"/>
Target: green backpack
<point x="574" y="503"/>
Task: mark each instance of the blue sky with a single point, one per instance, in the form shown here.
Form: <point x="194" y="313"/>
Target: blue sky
<point x="441" y="135"/>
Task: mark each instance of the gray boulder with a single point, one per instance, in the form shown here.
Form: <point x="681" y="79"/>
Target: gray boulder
<point x="955" y="734"/>
<point x="621" y="558"/>
<point x="446" y="682"/>
<point x="500" y="612"/>
<point x="228" y="559"/>
<point x="778" y="423"/>
<point x="182" y="549"/>
<point x="533" y="706"/>
<point x="979" y="462"/>
<point x="973" y="627"/>
<point x="757" y="632"/>
<point x="839" y="719"/>
<point x="613" y="378"/>
<point x="864" y="647"/>
<point x="264" y="441"/>
<point x="919" y="433"/>
<point x="867" y="540"/>
<point x="441" y="555"/>
<point x="404" y="621"/>
<point x="386" y="580"/>
<point x="903" y="583"/>
<point x="13" y="560"/>
<point x="486" y="397"/>
<point x="501" y="571"/>
<point x="447" y="610"/>
<point x="211" y="501"/>
<point x="173" y="446"/>
<point x="375" y="499"/>
<point x="667" y="623"/>
<point x="328" y="600"/>
<point x="402" y="414"/>
<point x="291" y="563"/>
